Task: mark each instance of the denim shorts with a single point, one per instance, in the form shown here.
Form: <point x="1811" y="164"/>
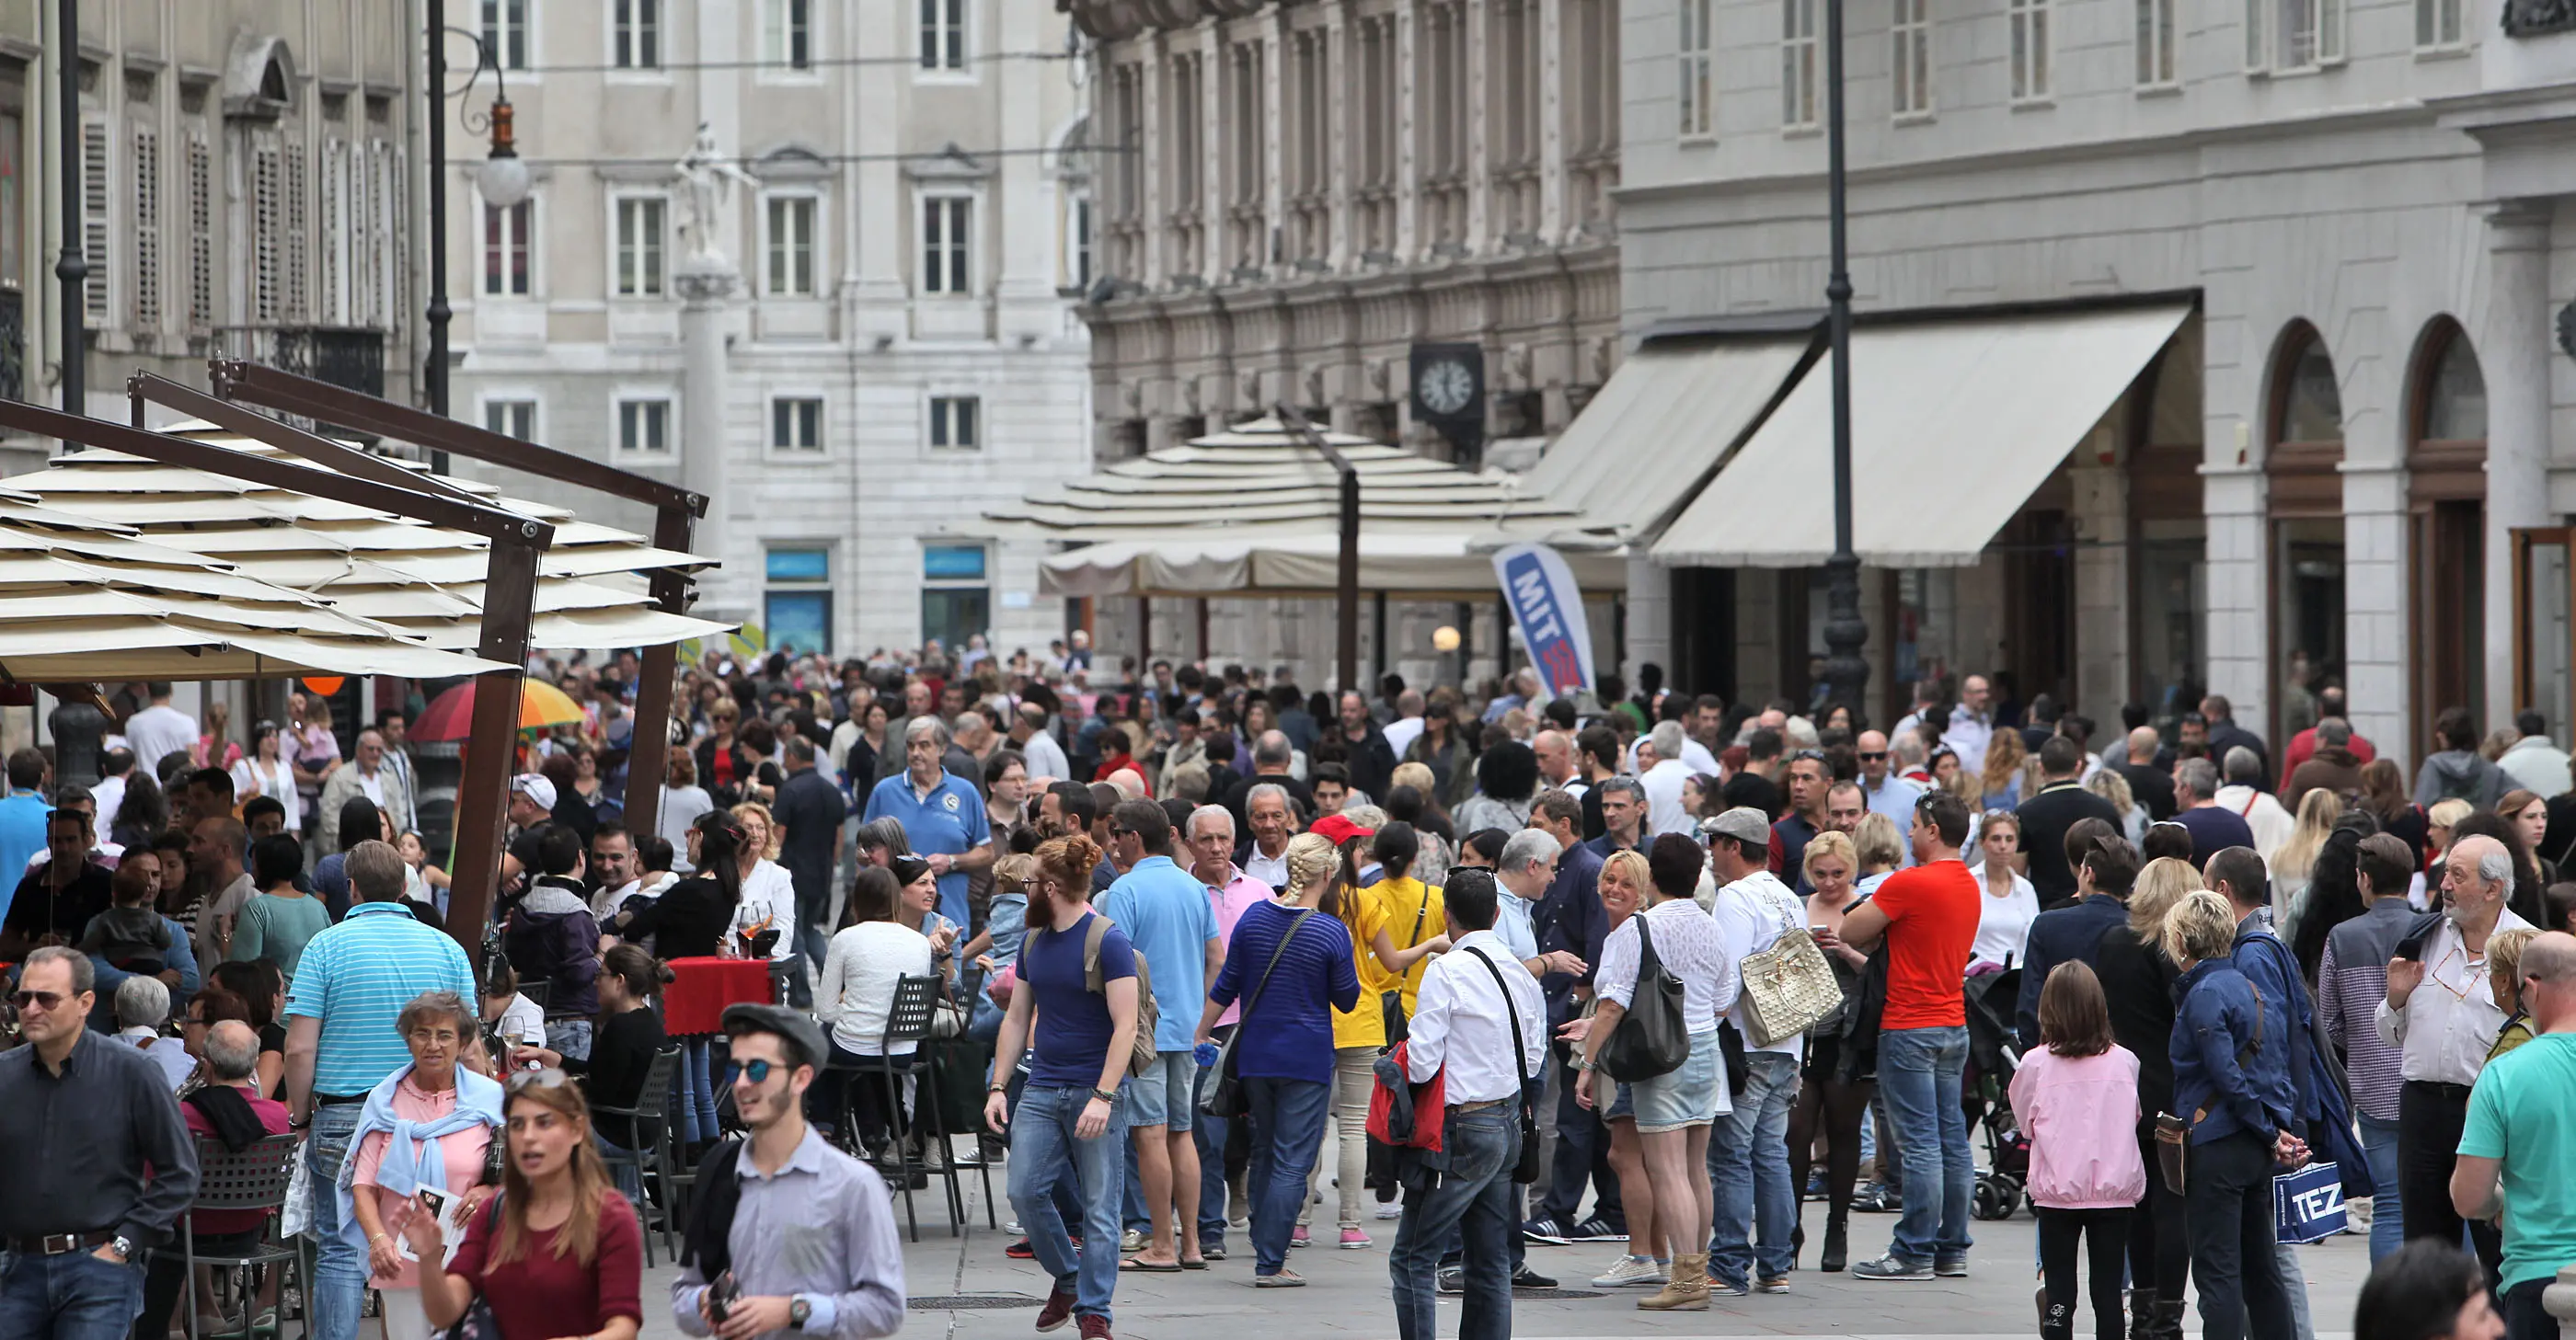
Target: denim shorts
<point x="1162" y="1095"/>
<point x="1624" y="1106"/>
<point x="1686" y="1097"/>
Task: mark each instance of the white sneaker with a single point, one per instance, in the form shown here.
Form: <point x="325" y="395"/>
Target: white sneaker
<point x="1393" y="1209"/>
<point x="1628" y="1271"/>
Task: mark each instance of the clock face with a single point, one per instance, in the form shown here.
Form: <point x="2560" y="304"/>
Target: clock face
<point x="1446" y="387"/>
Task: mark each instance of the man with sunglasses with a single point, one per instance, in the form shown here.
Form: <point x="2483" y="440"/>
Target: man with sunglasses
<point x="805" y="1232"/>
<point x="81" y="1118"/>
<point x="1884" y="791"/>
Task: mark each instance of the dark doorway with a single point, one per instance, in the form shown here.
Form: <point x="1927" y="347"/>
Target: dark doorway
<point x="2039" y="606"/>
<point x="1703" y="631"/>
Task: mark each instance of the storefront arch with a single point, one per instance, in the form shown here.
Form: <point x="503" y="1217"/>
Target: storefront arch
<point x="2446" y="458"/>
<point x="2303" y="455"/>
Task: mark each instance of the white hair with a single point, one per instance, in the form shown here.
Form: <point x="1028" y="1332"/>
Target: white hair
<point x="931" y="724"/>
<point x="1218" y="812"/>
<point x="1667" y="739"/>
<point x="142" y="1002"/>
<point x="2496" y="867"/>
<point x="1265" y="791"/>
<point x="1526" y="848"/>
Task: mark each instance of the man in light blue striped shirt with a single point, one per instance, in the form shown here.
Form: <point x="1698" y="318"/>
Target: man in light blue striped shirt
<point x="341" y="1042"/>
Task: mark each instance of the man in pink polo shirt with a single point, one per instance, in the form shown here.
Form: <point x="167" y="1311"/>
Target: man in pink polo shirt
<point x="1211" y="841"/>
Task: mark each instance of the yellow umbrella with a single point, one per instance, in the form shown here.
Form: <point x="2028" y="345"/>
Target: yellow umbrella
<point x="451" y="714"/>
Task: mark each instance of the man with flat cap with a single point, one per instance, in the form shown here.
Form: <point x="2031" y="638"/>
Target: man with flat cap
<point x="801" y="1234"/>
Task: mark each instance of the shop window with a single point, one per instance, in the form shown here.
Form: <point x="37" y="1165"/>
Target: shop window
<point x="956" y="595"/>
<point x="796" y="610"/>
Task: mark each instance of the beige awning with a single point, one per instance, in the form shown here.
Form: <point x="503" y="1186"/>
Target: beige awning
<point x="1657" y="429"/>
<point x="1253" y="511"/>
<point x="1954" y="425"/>
<point x="423" y="580"/>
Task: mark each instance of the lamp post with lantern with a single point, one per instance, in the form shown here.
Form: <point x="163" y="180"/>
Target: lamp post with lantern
<point x="502" y="181"/>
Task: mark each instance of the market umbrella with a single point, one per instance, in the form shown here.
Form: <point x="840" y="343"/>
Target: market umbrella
<point x="451" y="714"/>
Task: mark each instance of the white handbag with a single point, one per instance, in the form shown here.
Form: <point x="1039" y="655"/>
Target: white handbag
<point x="1788" y="988"/>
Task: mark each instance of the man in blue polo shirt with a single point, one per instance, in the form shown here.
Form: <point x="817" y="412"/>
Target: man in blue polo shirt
<point x="341" y="1042"/>
<point x="1165" y="912"/>
<point x="941" y="813"/>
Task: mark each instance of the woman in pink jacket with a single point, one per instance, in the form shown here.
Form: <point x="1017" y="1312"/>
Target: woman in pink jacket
<point x="2077" y="1100"/>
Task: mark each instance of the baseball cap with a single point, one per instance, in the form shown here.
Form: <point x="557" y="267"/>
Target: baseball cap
<point x="1743" y="823"/>
<point x="536" y="787"/>
<point x="1340" y="829"/>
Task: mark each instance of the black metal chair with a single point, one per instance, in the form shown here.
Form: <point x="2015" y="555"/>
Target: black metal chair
<point x="970" y="988"/>
<point x="651" y="1157"/>
<point x="257" y="1178"/>
<point x="907" y="1020"/>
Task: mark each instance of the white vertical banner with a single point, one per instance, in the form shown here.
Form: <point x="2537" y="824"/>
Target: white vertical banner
<point x="1548" y="606"/>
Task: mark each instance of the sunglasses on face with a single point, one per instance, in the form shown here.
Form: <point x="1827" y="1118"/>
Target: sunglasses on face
<point x="43" y="1000"/>
<point x="548" y="1078"/>
<point x="756" y="1071"/>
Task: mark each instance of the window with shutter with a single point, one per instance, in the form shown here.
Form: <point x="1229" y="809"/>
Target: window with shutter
<point x="147" y="228"/>
<point x="265" y="246"/>
<point x="298" y="263"/>
<point x="335" y="299"/>
<point x="201" y="230"/>
<point x="97" y="204"/>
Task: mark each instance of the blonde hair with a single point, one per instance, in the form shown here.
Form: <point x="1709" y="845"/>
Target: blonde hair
<point x="2449" y="813"/>
<point x="1417" y="775"/>
<point x="1829" y="843"/>
<point x="2160" y="885"/>
<point x="2201" y="926"/>
<point x="768" y="825"/>
<point x="2298" y="855"/>
<point x="1309" y="855"/>
<point x="1876" y="845"/>
<point x="2004" y="754"/>
<point x="2111" y="786"/>
<point x="2504" y="965"/>
<point x="1632" y="867"/>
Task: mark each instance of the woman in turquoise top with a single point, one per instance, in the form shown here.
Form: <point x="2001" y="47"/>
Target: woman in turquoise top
<point x="278" y="921"/>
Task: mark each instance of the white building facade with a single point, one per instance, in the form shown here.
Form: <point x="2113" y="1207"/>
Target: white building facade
<point x="905" y="209"/>
<point x="2344" y="463"/>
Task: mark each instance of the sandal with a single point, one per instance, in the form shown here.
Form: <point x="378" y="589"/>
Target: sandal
<point x="1149" y="1267"/>
<point x="1285" y="1279"/>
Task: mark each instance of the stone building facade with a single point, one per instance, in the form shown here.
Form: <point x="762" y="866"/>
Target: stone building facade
<point x="1293" y="195"/>
<point x="2321" y="477"/>
<point x="904" y="215"/>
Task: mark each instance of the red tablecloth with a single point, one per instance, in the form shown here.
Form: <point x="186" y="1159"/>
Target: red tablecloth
<point x="695" y="999"/>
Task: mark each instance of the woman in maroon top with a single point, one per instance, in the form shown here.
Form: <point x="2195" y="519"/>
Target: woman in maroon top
<point x="557" y="1253"/>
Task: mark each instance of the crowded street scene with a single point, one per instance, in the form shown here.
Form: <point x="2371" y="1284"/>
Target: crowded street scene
<point x="1404" y="669"/>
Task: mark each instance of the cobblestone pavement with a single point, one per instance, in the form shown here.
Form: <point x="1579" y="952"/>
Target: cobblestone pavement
<point x="994" y="1297"/>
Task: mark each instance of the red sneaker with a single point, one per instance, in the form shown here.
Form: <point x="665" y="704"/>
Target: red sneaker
<point x="1059" y="1308"/>
<point x="1095" y="1328"/>
<point x="1020" y="1251"/>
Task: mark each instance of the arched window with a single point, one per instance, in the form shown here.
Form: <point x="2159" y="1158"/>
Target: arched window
<point x="2454" y="396"/>
<point x="2304" y="460"/>
<point x="2446" y="487"/>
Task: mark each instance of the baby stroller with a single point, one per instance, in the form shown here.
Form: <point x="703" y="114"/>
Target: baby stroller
<point x="1993" y="1054"/>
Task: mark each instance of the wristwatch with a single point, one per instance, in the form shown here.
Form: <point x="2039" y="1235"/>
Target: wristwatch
<point x="124" y="1247"/>
<point x="1105" y="1095"/>
<point x="798" y="1311"/>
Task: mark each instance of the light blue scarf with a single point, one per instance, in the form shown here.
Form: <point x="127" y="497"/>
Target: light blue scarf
<point x="404" y="1170"/>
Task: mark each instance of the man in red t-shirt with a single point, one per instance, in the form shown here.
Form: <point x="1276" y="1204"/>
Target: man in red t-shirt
<point x="1928" y="916"/>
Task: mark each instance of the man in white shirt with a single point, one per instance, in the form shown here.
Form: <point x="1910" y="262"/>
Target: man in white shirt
<point x="2244" y="796"/>
<point x="2441" y="1015"/>
<point x="1480" y="1016"/>
<point x="1407" y="726"/>
<point x="1971" y="726"/>
<point x="1748" y="1151"/>
<point x="1663" y="782"/>
<point x="160" y="729"/>
<point x="118" y="765"/>
<point x="1266" y="813"/>
<point x="1029" y="736"/>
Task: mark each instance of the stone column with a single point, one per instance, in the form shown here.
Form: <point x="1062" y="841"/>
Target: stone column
<point x="705" y="284"/>
<point x="2513" y="353"/>
<point x="2235" y="498"/>
<point x="1650" y="620"/>
<point x="2101" y="519"/>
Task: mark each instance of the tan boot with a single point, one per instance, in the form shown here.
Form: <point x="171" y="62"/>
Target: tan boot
<point x="1688" y="1289"/>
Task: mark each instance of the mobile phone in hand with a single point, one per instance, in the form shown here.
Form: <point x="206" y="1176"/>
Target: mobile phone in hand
<point x="721" y="1297"/>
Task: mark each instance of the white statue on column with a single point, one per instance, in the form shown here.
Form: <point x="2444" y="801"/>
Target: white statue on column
<point x="706" y="177"/>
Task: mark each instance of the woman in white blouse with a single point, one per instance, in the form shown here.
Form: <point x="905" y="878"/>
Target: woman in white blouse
<point x="2011" y="904"/>
<point x="768" y="891"/>
<point x="1673" y="1111"/>
<point x="873" y="950"/>
<point x="265" y="772"/>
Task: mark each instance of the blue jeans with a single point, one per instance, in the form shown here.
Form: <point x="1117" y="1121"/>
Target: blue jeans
<point x="701" y="1069"/>
<point x="339" y="1284"/>
<point x="1042" y="1146"/>
<point x="74" y="1296"/>
<point x="1476" y="1198"/>
<point x="1287" y="1120"/>
<point x="1210" y="1133"/>
<point x="2387" y="1212"/>
<point x="1918" y="1080"/>
<point x="1748" y="1168"/>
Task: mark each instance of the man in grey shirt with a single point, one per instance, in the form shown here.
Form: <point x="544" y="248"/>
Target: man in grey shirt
<point x="811" y="1240"/>
<point x="81" y="1118"/>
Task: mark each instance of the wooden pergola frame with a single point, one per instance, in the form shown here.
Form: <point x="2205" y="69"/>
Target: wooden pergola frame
<point x="510" y="585"/>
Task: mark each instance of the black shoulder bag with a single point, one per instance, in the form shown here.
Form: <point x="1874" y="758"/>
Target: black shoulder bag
<point x="1224" y="1096"/>
<point x="1390" y="1003"/>
<point x="1651" y="1039"/>
<point x="1527" y="1169"/>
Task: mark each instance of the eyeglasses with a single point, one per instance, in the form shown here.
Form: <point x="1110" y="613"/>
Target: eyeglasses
<point x="548" y="1078"/>
<point x="43" y="1000"/>
<point x="755" y="1071"/>
<point x="1806" y="756"/>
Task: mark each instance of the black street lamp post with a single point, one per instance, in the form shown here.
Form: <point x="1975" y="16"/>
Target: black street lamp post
<point x="70" y="266"/>
<point x="503" y="181"/>
<point x="1846" y="633"/>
